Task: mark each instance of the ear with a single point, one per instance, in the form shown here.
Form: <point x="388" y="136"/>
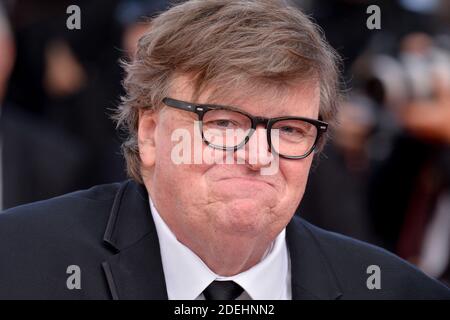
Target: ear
<point x="147" y="137"/>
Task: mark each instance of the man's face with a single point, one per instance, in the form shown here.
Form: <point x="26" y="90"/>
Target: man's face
<point x="210" y="200"/>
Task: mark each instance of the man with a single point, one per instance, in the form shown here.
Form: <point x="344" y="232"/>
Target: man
<point x="226" y="103"/>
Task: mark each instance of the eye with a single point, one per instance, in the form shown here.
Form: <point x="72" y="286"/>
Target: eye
<point x="223" y="123"/>
<point x="289" y="130"/>
<point x="225" y="119"/>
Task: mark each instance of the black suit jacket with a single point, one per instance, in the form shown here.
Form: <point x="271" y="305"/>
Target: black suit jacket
<point x="109" y="233"/>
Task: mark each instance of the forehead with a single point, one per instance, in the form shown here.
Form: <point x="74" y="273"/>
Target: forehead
<point x="301" y="99"/>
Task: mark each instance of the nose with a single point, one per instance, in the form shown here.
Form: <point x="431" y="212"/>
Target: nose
<point x="256" y="154"/>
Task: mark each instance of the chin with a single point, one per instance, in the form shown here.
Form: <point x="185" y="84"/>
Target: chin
<point x="244" y="216"/>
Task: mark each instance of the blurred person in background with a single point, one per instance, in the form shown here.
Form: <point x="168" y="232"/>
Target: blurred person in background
<point x="7" y="50"/>
<point x="134" y="16"/>
<point x="386" y="139"/>
<point x="37" y="161"/>
<point x="407" y="83"/>
<point x="420" y="103"/>
<point x="72" y="80"/>
<point x="357" y="145"/>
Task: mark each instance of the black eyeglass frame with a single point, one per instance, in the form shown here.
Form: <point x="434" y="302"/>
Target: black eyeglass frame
<point x="202" y="109"/>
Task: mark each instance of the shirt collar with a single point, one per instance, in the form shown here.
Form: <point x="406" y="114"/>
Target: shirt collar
<point x="187" y="275"/>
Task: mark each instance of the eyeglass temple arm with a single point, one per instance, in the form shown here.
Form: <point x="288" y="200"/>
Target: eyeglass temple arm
<point x="179" y="104"/>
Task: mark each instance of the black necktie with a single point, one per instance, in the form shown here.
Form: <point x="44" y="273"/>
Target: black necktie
<point x="222" y="290"/>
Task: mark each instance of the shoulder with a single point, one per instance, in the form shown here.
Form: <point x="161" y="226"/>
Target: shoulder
<point x="39" y="241"/>
<point x="367" y="271"/>
<point x="66" y="210"/>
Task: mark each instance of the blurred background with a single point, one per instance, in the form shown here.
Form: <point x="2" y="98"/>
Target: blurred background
<point x="384" y="178"/>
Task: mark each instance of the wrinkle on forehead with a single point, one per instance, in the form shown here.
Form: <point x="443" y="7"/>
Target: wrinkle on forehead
<point x="264" y="95"/>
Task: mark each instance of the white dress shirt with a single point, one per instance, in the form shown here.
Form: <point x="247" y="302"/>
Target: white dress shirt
<point x="187" y="275"/>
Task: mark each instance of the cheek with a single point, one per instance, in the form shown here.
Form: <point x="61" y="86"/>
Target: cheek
<point x="295" y="173"/>
<point x="174" y="163"/>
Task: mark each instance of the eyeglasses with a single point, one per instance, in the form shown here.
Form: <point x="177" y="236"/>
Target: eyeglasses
<point x="227" y="128"/>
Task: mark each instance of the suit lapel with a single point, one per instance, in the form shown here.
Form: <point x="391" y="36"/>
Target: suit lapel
<point x="311" y="275"/>
<point x="135" y="271"/>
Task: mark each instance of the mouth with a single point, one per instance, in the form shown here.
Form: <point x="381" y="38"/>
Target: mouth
<point x="248" y="181"/>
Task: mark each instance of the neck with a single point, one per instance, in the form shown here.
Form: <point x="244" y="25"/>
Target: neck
<point x="228" y="255"/>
